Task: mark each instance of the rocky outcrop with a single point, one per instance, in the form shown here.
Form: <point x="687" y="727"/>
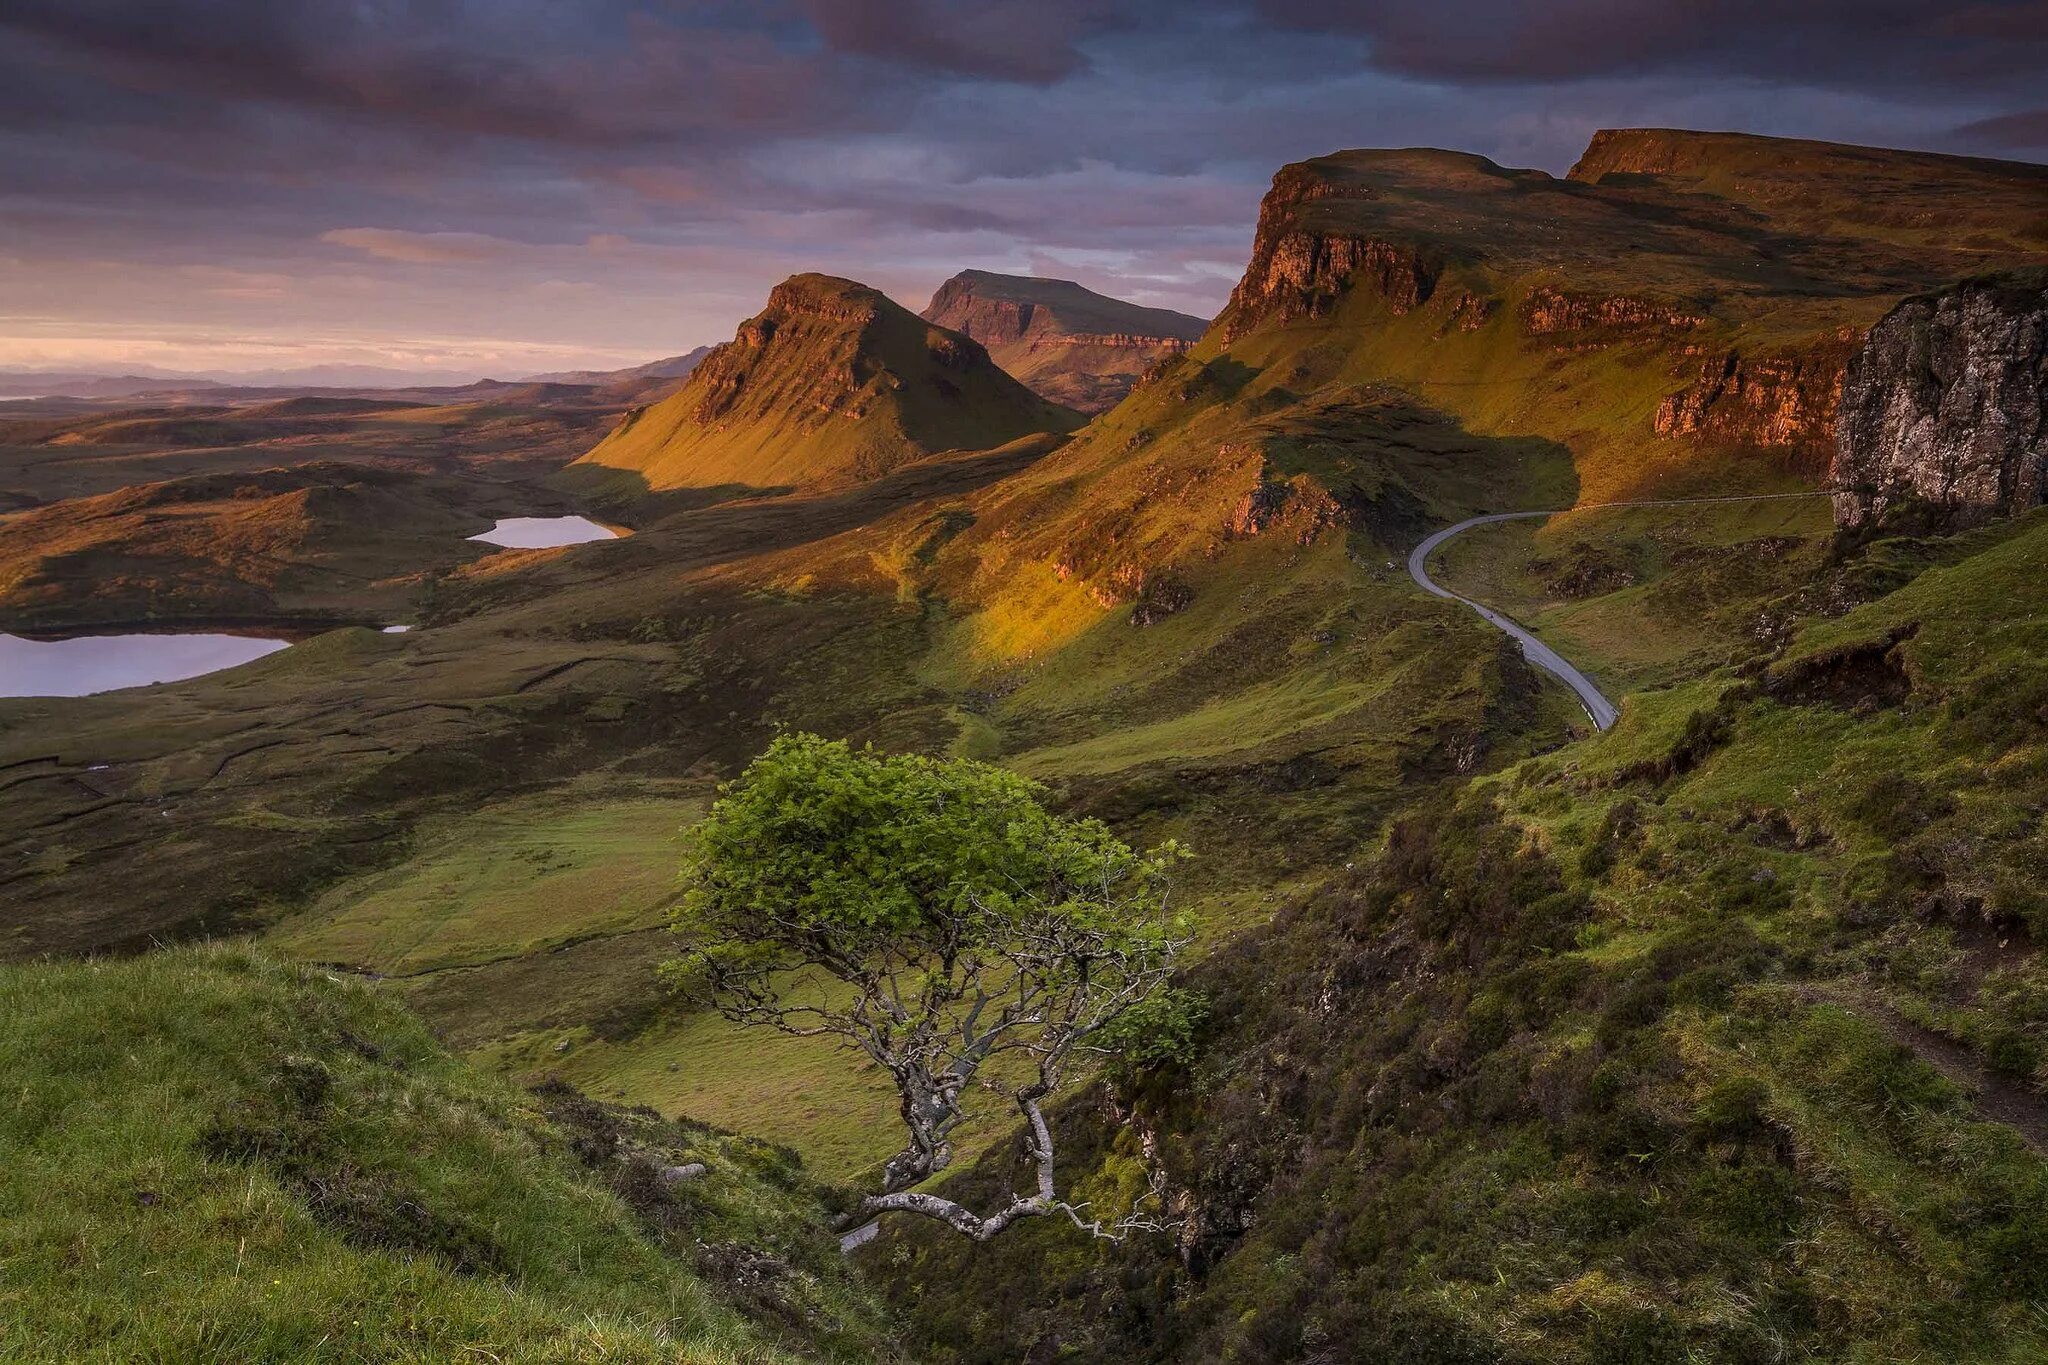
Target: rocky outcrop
<point x="1300" y="505"/>
<point x="1300" y="270"/>
<point x="1549" y="310"/>
<point x="1783" y="401"/>
<point x="1946" y="405"/>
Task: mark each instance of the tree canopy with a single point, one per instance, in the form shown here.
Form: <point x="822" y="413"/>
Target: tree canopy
<point x="933" y="914"/>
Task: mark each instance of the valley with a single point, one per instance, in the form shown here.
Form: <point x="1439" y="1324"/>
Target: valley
<point x="1612" y="748"/>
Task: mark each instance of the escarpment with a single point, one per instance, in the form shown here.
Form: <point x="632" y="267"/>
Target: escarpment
<point x="1680" y="299"/>
<point x="1786" y="400"/>
<point x="1067" y="343"/>
<point x="1300" y="268"/>
<point x="1946" y="404"/>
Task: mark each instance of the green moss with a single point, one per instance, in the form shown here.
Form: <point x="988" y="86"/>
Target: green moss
<point x="212" y="1156"/>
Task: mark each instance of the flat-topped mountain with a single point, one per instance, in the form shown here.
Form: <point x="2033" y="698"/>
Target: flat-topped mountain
<point x="1930" y="200"/>
<point x="1680" y="298"/>
<point x="1069" y="343"/>
<point x="831" y="383"/>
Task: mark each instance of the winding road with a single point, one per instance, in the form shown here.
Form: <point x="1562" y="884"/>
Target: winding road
<point x="1598" y="708"/>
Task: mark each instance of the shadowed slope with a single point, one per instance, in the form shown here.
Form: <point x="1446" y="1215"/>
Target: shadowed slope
<point x="271" y="1164"/>
<point x="318" y="543"/>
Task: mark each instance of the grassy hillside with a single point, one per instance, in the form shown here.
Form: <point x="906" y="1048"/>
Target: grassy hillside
<point x="1945" y="209"/>
<point x="312" y="544"/>
<point x="1721" y="1036"/>
<point x="1646" y="596"/>
<point x="831" y="383"/>
<point x="1597" y="1059"/>
<point x="212" y="1156"/>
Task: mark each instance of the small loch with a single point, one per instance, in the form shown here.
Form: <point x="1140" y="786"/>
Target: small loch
<point x="542" y="533"/>
<point x="86" y="664"/>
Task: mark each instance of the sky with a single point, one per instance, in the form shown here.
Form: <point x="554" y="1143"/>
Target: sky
<point x="471" y="187"/>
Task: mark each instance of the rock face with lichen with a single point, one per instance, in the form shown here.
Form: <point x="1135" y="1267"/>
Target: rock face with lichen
<point x="1947" y="405"/>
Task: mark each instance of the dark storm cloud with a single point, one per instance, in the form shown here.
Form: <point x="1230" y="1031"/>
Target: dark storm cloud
<point x="1908" y="47"/>
<point x="600" y="73"/>
<point x="1036" y="41"/>
<point x="632" y="174"/>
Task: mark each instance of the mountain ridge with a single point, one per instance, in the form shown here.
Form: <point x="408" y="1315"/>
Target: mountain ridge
<point x="1069" y="343"/>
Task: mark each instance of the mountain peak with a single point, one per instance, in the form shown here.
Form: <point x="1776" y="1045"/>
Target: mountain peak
<point x="832" y="382"/>
<point x="828" y="296"/>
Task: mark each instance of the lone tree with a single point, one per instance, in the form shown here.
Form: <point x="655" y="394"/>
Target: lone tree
<point x="934" y="915"/>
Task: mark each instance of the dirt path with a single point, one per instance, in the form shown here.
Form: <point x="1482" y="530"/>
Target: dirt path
<point x="1997" y="1097"/>
<point x="1601" y="711"/>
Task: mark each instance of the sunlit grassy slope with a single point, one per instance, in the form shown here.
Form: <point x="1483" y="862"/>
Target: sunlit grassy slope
<point x="831" y="383"/>
<point x="214" y="1157"/>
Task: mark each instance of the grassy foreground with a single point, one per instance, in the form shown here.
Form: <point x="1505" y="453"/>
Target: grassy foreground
<point x="214" y="1157"/>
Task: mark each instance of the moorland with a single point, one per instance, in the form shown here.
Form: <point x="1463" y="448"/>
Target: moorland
<point x="1720" y="1033"/>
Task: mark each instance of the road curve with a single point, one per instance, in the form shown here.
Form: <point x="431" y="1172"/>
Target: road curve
<point x="1598" y="708"/>
<point x="1543" y="656"/>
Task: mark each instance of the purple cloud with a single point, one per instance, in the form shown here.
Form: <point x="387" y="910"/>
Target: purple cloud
<point x="632" y="175"/>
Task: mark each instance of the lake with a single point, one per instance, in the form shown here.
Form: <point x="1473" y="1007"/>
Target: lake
<point x="86" y="664"/>
<point x="541" y="533"/>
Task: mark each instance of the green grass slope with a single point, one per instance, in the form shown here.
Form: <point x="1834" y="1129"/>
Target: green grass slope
<point x="830" y="383"/>
<point x="1723" y="1036"/>
<point x="213" y="1157"/>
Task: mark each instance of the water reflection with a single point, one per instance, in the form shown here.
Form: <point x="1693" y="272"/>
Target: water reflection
<point x="540" y="533"/>
<point x="86" y="664"/>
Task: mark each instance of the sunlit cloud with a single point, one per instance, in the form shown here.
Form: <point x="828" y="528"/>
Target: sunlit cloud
<point x="421" y="248"/>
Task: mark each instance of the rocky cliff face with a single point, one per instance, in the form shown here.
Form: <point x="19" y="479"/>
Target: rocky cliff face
<point x="1778" y="401"/>
<point x="1300" y="270"/>
<point x="1550" y="310"/>
<point x="1069" y="344"/>
<point x="1947" y="404"/>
